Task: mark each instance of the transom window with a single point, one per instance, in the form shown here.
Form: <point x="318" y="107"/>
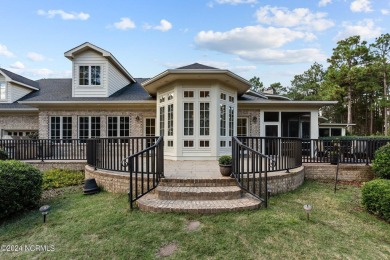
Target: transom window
<point x="118" y="126"/>
<point x="223" y="96"/>
<point x="188" y="94"/>
<point x="204" y="143"/>
<point x="188" y="143"/>
<point x="204" y="94"/>
<point x="89" y="127"/>
<point x="90" y="75"/>
<point x="2" y="90"/>
<point x="231" y="99"/>
<point x="170" y="96"/>
<point x="61" y="128"/>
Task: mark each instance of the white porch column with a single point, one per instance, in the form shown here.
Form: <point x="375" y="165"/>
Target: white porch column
<point x="314" y="124"/>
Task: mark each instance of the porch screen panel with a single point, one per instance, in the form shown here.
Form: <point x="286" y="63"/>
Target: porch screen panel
<point x="204" y="118"/>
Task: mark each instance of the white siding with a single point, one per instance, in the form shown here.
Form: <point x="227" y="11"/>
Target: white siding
<point x="90" y="58"/>
<point x="7" y="90"/>
<point x="116" y="80"/>
<point x="17" y="92"/>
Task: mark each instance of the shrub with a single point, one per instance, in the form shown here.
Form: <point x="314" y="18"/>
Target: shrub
<point x="376" y="198"/>
<point x="58" y="178"/>
<point x="3" y="155"/>
<point x="20" y="187"/>
<point x="225" y="160"/>
<point x="381" y="163"/>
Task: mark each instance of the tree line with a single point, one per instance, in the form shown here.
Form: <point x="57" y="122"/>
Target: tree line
<point x="356" y="77"/>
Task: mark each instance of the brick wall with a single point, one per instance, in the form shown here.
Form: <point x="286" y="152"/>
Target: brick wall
<point x="47" y="165"/>
<point x="346" y="172"/>
<point x="253" y="128"/>
<point x="19" y="122"/>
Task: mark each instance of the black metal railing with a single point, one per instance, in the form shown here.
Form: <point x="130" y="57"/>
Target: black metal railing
<point x="44" y="149"/>
<point x="255" y="157"/>
<point x="345" y="150"/>
<point x="146" y="168"/>
<point x="108" y="153"/>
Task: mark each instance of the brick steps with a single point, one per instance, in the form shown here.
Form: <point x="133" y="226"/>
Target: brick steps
<point x="198" y="193"/>
<point x="201" y="196"/>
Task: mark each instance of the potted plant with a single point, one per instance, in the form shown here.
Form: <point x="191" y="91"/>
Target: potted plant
<point x="225" y="165"/>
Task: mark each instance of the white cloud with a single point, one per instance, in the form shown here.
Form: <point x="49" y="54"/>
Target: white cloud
<point x="365" y="28"/>
<point x="235" y="2"/>
<point x="5" y="52"/>
<point x="257" y="43"/>
<point x="359" y="6"/>
<point x="35" y="56"/>
<point x="248" y="38"/>
<point x="17" y="65"/>
<point x="323" y="3"/>
<point x="247" y="68"/>
<point x="164" y="26"/>
<point x="64" y="15"/>
<point x="385" y="11"/>
<point x="125" y="24"/>
<point x="40" y="73"/>
<point x="301" y="18"/>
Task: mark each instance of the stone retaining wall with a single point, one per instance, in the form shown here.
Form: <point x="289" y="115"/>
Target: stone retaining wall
<point x="347" y="172"/>
<point x="47" y="165"/>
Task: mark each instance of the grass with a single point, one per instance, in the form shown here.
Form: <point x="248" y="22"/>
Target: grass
<point x="102" y="227"/>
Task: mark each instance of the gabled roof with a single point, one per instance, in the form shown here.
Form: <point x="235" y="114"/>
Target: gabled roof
<point x="19" y="79"/>
<point x="196" y="66"/>
<point x="197" y="71"/>
<point x="89" y="46"/>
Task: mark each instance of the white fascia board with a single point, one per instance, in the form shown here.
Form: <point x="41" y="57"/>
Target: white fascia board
<point x="24" y="85"/>
<point x="89" y="102"/>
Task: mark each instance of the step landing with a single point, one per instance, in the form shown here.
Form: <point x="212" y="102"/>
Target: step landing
<point x="198" y="195"/>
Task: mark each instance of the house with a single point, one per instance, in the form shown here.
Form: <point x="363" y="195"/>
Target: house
<point x="196" y="108"/>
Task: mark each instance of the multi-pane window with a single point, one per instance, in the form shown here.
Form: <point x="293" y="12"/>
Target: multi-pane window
<point x="204" y="118"/>
<point x="188" y="118"/>
<point x="2" y="91"/>
<point x="241" y="126"/>
<point x="89" y="75"/>
<point x="223" y="96"/>
<point x="61" y="128"/>
<point x="162" y="99"/>
<point x="231" y="121"/>
<point x="170" y="120"/>
<point x="204" y="143"/>
<point x="170" y="96"/>
<point x="188" y="94"/>
<point x="222" y="119"/>
<point x="150" y="127"/>
<point x="118" y="126"/>
<point x="188" y="143"/>
<point x="170" y="143"/>
<point x="204" y="94"/>
<point x="162" y="123"/>
<point x="89" y="127"/>
<point x="231" y="99"/>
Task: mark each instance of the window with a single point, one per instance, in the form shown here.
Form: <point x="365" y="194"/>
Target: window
<point x="89" y="127"/>
<point x="162" y="99"/>
<point x="223" y="96"/>
<point x="231" y="121"/>
<point x="118" y="126"/>
<point x="170" y="143"/>
<point x="188" y="118"/>
<point x="188" y="143"/>
<point x="162" y="125"/>
<point x="188" y="94"/>
<point x="89" y="75"/>
<point x="204" y="143"/>
<point x="20" y="133"/>
<point x="204" y="119"/>
<point x="231" y="99"/>
<point x="204" y="94"/>
<point x="170" y="119"/>
<point x="223" y="120"/>
<point x="170" y="96"/>
<point x="241" y="126"/>
<point x="150" y="127"/>
<point x="61" y="128"/>
<point x="223" y="143"/>
<point x="3" y="95"/>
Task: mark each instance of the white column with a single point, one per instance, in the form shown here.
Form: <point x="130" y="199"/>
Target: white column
<point x="313" y="129"/>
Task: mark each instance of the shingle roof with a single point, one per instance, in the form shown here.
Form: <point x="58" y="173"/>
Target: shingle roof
<point x="21" y="79"/>
<point x="61" y="90"/>
<point x="14" y="106"/>
<point x="196" y="66"/>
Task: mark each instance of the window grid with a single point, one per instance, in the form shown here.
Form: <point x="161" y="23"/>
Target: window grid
<point x="90" y="75"/>
<point x="231" y="121"/>
<point x="162" y="124"/>
<point x="223" y="120"/>
<point x="95" y="75"/>
<point x="223" y="96"/>
<point x="89" y="127"/>
<point x="188" y="143"/>
<point x="188" y="94"/>
<point x="188" y="118"/>
<point x="170" y="120"/>
<point x="118" y="126"/>
<point x="204" y="94"/>
<point x="61" y="128"/>
<point x="84" y="75"/>
<point x="204" y="119"/>
<point x="204" y="143"/>
<point x="150" y="126"/>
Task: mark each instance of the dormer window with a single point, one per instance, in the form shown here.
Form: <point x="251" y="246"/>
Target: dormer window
<point x="89" y="75"/>
<point x="2" y="90"/>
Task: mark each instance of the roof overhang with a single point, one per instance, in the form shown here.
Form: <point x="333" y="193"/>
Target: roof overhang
<point x="285" y="104"/>
<point x="225" y="76"/>
<point x="91" y="104"/>
<point x="8" y="79"/>
<point x="71" y="54"/>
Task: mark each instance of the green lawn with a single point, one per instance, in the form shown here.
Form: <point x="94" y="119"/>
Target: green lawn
<point x="102" y="227"/>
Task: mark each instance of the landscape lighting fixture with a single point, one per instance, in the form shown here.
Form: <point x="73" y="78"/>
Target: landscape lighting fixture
<point x="308" y="209"/>
<point x="44" y="210"/>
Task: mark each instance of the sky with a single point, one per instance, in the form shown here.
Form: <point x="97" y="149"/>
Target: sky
<point x="273" y="40"/>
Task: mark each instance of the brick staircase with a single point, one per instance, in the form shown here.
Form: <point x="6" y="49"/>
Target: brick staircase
<point x="202" y="196"/>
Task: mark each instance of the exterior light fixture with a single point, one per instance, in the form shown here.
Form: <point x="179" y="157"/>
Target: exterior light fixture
<point x="254" y="120"/>
<point x="44" y="210"/>
<point x="308" y="209"/>
<point x="137" y="118"/>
